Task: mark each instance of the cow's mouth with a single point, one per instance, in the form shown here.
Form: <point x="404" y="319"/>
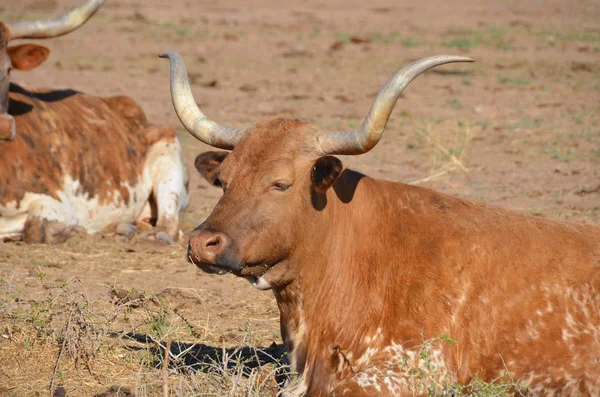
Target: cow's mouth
<point x="246" y="270"/>
<point x="254" y="273"/>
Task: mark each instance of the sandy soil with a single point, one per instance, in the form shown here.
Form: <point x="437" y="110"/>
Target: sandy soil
<point x="522" y="122"/>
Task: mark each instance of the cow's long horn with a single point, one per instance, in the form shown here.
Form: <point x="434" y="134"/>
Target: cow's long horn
<point x="54" y="27"/>
<point x="192" y="118"/>
<point x="366" y="136"/>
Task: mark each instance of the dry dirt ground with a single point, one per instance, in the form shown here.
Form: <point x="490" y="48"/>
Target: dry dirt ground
<point x="520" y="129"/>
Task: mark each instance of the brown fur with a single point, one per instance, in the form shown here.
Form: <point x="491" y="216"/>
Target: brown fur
<point x="370" y="264"/>
<point x="101" y="142"/>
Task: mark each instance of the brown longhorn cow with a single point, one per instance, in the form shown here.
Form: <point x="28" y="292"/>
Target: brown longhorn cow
<point x="367" y="272"/>
<point x="72" y="160"/>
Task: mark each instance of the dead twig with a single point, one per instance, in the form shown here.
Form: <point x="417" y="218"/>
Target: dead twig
<point x="191" y="327"/>
<point x="165" y="369"/>
<point x="428" y="178"/>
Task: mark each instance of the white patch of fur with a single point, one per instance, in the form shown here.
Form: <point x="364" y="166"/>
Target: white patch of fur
<point x="369" y="378"/>
<point x="12" y="226"/>
<point x="164" y="171"/>
<point x="367" y="356"/>
<point x="532" y="331"/>
<point x="260" y="283"/>
<point x="578" y="310"/>
<point x="297" y="386"/>
<point x="88" y="213"/>
<point x="396" y="373"/>
<point x="457" y="303"/>
<point x="297" y="338"/>
<point x="13" y="217"/>
<point x="369" y="339"/>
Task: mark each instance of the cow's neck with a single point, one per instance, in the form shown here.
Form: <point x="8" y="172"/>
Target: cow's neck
<point x="326" y="323"/>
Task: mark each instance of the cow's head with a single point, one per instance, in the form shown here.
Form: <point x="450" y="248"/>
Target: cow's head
<point x="274" y="180"/>
<point x="29" y="56"/>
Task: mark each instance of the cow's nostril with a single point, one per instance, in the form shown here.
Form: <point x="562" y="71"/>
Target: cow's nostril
<point x="213" y="242"/>
<point x="207" y="246"/>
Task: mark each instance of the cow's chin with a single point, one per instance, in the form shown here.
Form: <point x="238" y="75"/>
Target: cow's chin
<point x="210" y="269"/>
<point x="255" y="279"/>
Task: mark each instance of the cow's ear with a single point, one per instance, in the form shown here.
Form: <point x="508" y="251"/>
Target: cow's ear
<point x="27" y="56"/>
<point x="325" y="172"/>
<point x="208" y="165"/>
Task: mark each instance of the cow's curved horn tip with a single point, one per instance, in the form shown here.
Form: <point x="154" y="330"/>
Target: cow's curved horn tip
<point x="460" y="58"/>
<point x="166" y="54"/>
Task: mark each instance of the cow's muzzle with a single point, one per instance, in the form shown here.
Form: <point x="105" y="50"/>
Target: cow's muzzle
<point x="8" y="129"/>
<point x="212" y="251"/>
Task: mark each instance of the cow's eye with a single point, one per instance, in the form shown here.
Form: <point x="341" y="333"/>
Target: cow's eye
<point x="281" y="186"/>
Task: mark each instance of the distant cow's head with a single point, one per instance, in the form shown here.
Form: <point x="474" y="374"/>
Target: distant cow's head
<point x="275" y="180"/>
<point x="29" y="56"/>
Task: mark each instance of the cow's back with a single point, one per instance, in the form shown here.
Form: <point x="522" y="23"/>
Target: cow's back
<point x="99" y="143"/>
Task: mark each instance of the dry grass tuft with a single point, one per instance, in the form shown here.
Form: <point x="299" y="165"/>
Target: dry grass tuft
<point x="450" y="141"/>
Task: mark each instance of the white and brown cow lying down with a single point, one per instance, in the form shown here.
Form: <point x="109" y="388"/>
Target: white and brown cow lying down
<point x="365" y="270"/>
<point x="75" y="161"/>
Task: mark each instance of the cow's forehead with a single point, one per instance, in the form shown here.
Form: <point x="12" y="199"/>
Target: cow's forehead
<point x="290" y="133"/>
<point x="275" y="141"/>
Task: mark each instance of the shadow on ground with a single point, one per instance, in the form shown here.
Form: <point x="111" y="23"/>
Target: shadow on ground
<point x="204" y="358"/>
<point x="199" y="357"/>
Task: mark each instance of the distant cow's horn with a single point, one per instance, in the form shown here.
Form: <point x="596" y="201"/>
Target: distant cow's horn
<point x="54" y="27"/>
<point x="366" y="136"/>
<point x="191" y="116"/>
